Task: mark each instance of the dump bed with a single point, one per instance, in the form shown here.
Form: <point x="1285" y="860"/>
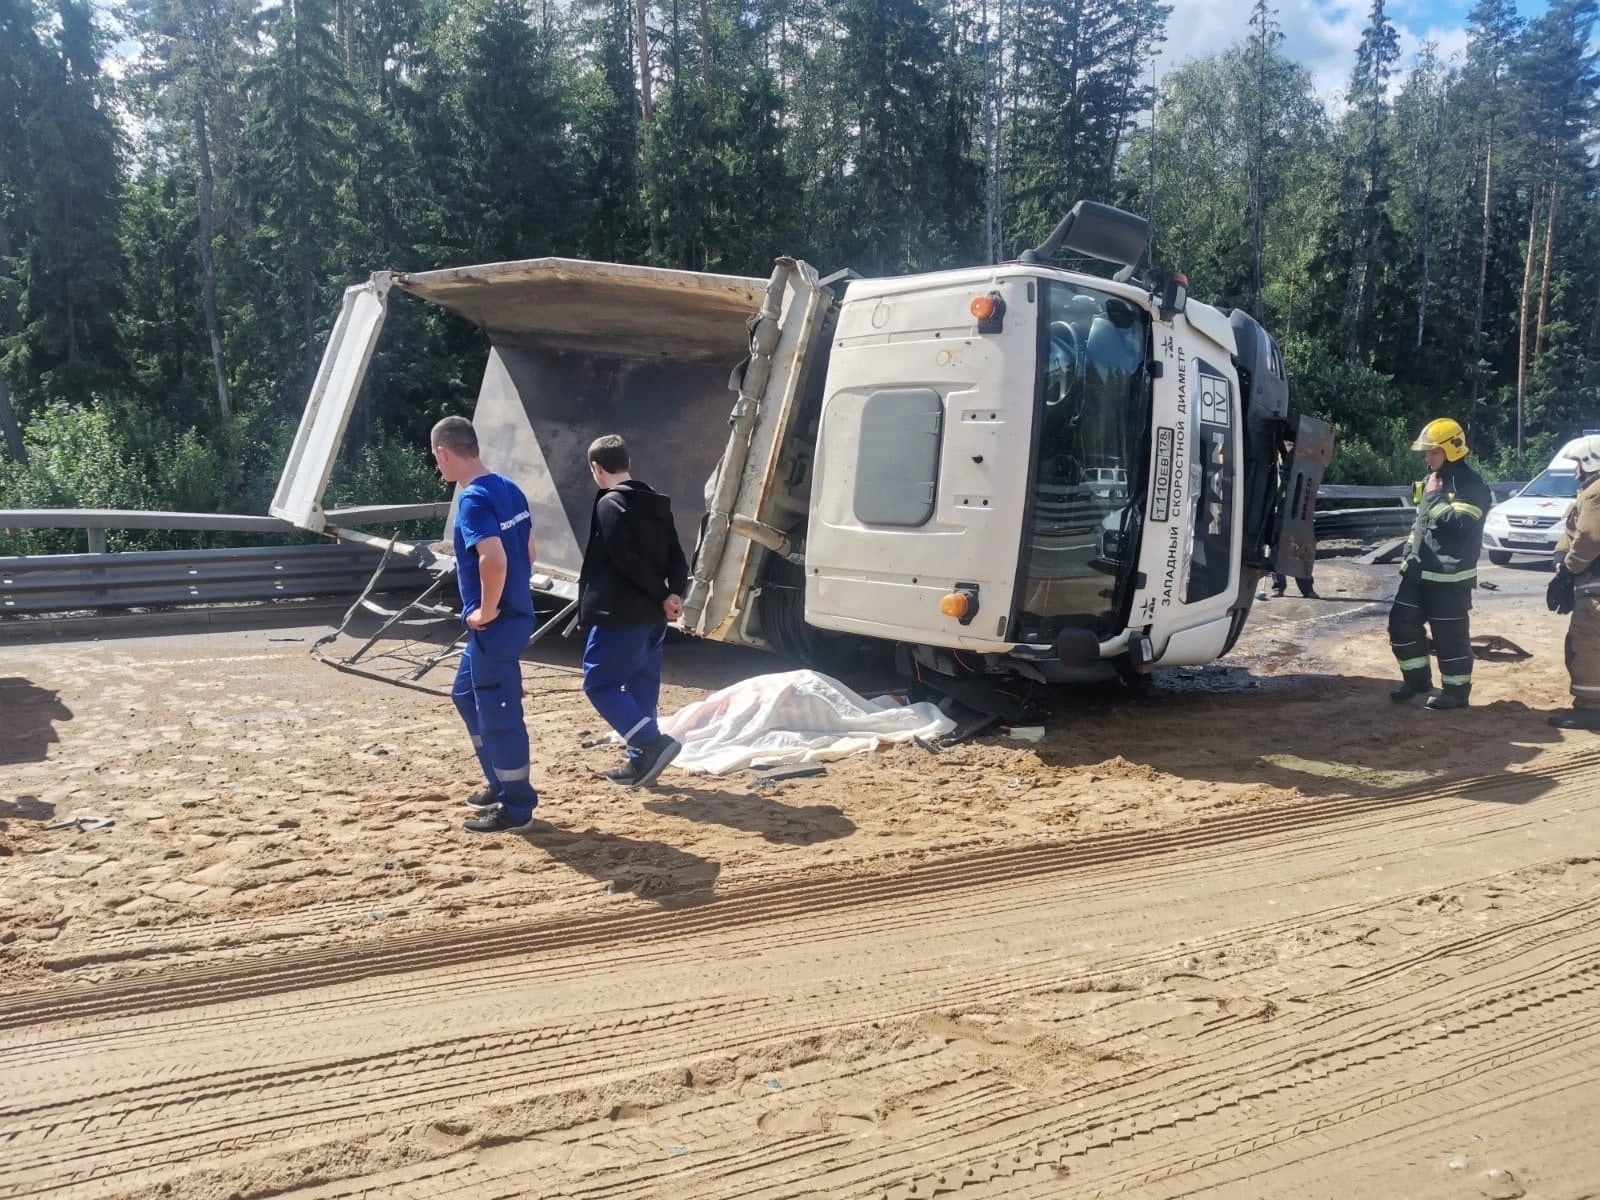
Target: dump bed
<point x="580" y="349"/>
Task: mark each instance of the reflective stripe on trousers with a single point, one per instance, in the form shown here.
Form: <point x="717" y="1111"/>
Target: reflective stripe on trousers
<point x="487" y="692"/>
<point x="1420" y="606"/>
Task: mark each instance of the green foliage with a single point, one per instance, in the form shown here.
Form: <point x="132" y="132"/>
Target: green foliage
<point x="388" y="471"/>
<point x="77" y="458"/>
<point x="1396" y="246"/>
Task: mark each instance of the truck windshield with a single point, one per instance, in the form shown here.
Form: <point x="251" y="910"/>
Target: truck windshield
<point x="1090" y="422"/>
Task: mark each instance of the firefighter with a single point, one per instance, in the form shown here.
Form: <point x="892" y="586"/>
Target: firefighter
<point x="1576" y="587"/>
<point x="1439" y="571"/>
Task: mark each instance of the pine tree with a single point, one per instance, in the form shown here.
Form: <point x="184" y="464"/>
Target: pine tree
<point x="890" y="62"/>
<point x="1493" y="26"/>
<point x="71" y="209"/>
<point x="1421" y="126"/>
<point x="1371" y="230"/>
<point x="200" y="47"/>
<point x="302" y="140"/>
<point x="1265" y="37"/>
<point x="1078" y="81"/>
<point x="1559" y="81"/>
<point x="511" y="150"/>
<point x="21" y="59"/>
<point x="606" y="137"/>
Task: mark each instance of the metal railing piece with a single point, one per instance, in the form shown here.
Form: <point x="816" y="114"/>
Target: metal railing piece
<point x="97" y="520"/>
<point x="1400" y="492"/>
<point x="56" y="583"/>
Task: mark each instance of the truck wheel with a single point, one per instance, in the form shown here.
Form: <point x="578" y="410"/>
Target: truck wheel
<point x="1500" y="557"/>
<point x="782" y="609"/>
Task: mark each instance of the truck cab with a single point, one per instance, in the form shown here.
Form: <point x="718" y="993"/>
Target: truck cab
<point x="1080" y="475"/>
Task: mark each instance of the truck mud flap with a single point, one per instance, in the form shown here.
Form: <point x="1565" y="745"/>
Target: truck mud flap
<point x="1295" y="551"/>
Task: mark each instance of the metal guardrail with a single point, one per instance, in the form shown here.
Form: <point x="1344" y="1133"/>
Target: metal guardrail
<point x="1388" y="521"/>
<point x="97" y="520"/>
<point x="1359" y="524"/>
<point x="1401" y="492"/>
<point x="56" y="583"/>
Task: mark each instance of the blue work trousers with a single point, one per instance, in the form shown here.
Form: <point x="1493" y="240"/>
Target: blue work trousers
<point x="622" y="678"/>
<point x="488" y="695"/>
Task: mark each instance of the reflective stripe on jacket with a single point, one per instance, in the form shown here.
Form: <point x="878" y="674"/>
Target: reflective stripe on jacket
<point x="1447" y="535"/>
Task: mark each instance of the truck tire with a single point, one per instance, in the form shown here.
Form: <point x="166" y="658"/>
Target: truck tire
<point x="781" y="607"/>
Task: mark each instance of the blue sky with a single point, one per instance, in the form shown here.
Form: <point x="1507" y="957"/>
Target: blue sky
<point x="1323" y="34"/>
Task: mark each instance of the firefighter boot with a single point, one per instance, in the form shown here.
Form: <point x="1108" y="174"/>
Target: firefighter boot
<point x="1577" y="718"/>
<point x="1412" y="685"/>
<point x="1450" y="696"/>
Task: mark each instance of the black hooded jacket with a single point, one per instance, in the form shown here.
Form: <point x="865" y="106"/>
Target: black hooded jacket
<point x="633" y="561"/>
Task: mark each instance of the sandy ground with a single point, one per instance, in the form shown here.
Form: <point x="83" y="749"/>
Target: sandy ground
<point x="1258" y="932"/>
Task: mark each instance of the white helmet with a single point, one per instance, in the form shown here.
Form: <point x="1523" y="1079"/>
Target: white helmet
<point x="1584" y="451"/>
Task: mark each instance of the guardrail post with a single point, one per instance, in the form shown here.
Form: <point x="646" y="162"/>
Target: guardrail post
<point x="97" y="540"/>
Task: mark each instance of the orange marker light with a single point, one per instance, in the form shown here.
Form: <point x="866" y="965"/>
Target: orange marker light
<point x="982" y="307"/>
<point x="956" y="604"/>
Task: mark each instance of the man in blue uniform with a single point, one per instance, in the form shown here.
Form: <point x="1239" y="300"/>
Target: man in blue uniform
<point x="631" y="585"/>
<point x="494" y="561"/>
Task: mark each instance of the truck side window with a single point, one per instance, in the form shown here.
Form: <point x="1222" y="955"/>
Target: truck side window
<point x="897" y="460"/>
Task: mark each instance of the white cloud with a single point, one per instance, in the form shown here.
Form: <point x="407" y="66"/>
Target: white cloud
<point x="1320" y="34"/>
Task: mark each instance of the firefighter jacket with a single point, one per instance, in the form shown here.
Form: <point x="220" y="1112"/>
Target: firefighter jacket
<point x="1448" y="533"/>
<point x="1579" y="546"/>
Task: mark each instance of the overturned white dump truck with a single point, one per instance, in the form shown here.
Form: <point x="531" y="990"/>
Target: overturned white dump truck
<point x="1013" y="469"/>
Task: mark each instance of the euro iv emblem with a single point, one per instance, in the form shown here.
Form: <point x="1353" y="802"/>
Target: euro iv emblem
<point x="1215" y="399"/>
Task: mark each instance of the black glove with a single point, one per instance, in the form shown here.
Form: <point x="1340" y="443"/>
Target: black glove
<point x="1560" y="596"/>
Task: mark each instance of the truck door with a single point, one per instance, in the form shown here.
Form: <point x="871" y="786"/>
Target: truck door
<point x="920" y="482"/>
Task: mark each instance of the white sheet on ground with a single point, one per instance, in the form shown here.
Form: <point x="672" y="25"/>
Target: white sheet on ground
<point x="794" y="717"/>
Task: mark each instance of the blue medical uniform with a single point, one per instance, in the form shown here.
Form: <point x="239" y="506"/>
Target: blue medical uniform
<point x="488" y="685"/>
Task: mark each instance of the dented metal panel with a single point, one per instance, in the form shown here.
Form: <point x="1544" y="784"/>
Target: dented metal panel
<point x="298" y="499"/>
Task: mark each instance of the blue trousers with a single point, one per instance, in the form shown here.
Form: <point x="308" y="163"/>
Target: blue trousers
<point x="488" y="695"/>
<point x="622" y="678"/>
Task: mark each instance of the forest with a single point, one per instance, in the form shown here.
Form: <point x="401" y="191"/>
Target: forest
<point x="187" y="185"/>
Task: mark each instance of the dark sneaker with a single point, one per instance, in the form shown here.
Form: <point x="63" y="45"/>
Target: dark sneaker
<point x="497" y="820"/>
<point x="1277" y="593"/>
<point x="657" y="756"/>
<point x="1445" y="701"/>
<point x="1406" y="692"/>
<point x="627" y="775"/>
<point x="482" y="800"/>
<point x="1310" y="594"/>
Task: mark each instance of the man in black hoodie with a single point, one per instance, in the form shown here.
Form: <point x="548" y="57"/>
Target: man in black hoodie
<point x="631" y="585"/>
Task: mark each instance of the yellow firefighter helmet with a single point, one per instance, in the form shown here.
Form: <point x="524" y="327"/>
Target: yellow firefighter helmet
<point x="1443" y="434"/>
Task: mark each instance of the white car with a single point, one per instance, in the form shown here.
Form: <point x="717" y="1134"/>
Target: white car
<point x="1530" y="522"/>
